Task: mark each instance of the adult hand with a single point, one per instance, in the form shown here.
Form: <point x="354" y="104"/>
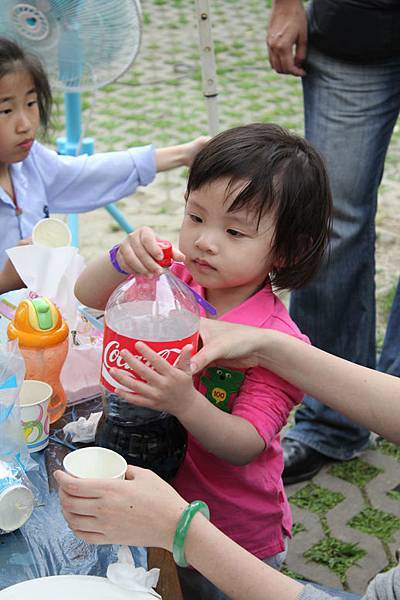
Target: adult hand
<point x="142" y="510"/>
<point x="287" y="37"/>
<point x="230" y="344"/>
<point x="162" y="386"/>
<point x="139" y="252"/>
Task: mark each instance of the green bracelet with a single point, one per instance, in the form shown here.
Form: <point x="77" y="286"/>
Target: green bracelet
<point x="178" y="546"/>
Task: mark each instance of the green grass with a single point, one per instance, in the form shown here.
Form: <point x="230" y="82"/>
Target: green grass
<point x="337" y="555"/>
<point x="355" y="471"/>
<point x="376" y="522"/>
<point x="395" y="494"/>
<point x="384" y="303"/>
<point x="298" y="528"/>
<point x="388" y="448"/>
<point x="316" y="499"/>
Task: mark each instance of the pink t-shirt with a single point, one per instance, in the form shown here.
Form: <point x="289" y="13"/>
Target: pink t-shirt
<point x="248" y="503"/>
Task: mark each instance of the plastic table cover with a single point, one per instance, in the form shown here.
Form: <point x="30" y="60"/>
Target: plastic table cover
<point x="44" y="545"/>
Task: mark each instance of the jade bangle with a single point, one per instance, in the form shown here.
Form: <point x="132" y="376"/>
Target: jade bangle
<point x="178" y="546"/>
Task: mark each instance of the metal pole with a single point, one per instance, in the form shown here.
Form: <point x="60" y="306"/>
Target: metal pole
<point x="69" y="145"/>
<point x="208" y="68"/>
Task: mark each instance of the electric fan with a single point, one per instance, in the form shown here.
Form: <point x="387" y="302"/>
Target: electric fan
<point x="84" y="44"/>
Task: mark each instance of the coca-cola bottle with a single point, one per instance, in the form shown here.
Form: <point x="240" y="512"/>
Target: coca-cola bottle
<point x="163" y="312"/>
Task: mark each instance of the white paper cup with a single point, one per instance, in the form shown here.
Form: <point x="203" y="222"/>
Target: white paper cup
<point x="34" y="400"/>
<point x="95" y="463"/>
<point x="52" y="233"/>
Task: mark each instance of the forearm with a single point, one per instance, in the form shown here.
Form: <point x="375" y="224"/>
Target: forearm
<point x="10" y="280"/>
<point x="361" y="394"/>
<point x="227" y="436"/>
<point x="97" y="282"/>
<point x="171" y="157"/>
<point x="100" y="511"/>
<point x="232" y="569"/>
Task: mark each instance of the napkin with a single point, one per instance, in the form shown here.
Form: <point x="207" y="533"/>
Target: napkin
<point x="50" y="272"/>
<point x="83" y="430"/>
<point x="137" y="579"/>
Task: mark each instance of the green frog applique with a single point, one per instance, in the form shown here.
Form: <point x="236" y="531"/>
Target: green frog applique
<point x="221" y="384"/>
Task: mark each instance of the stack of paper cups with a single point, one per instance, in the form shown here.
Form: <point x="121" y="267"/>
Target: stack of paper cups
<point x="16" y="499"/>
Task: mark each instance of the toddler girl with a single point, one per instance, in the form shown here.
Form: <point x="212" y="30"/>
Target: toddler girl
<point x="257" y="216"/>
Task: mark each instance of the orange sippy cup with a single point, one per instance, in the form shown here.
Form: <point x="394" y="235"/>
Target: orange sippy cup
<point x="43" y="340"/>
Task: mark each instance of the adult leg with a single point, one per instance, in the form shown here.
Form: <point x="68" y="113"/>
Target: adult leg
<point x="350" y="112"/>
<point x="389" y="361"/>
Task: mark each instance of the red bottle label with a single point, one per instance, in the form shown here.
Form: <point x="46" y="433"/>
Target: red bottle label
<point x="113" y="343"/>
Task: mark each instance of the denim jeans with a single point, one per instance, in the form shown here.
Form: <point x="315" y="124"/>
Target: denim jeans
<point x="350" y="112"/>
<point x="196" y="587"/>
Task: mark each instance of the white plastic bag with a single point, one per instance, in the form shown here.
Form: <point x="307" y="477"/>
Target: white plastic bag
<point x="12" y="441"/>
<point x="80" y="375"/>
<point x="18" y="495"/>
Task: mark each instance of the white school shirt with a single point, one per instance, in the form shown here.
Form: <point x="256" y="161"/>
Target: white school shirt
<point x="46" y="182"/>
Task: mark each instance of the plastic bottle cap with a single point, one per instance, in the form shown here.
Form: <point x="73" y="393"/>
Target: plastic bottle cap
<point x="16" y="506"/>
<point x="37" y="324"/>
<point x="166" y="247"/>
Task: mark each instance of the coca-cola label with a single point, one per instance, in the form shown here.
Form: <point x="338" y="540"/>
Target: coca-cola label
<point x="113" y="343"/>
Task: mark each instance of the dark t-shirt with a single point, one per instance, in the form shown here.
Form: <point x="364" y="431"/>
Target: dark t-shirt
<point x="362" y="31"/>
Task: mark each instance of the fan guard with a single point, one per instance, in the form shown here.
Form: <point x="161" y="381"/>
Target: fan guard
<point x="84" y="44"/>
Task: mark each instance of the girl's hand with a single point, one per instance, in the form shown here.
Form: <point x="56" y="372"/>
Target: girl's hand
<point x="191" y="149"/>
<point x="143" y="510"/>
<point x="25" y="242"/>
<point x="139" y="252"/>
<point x="166" y="387"/>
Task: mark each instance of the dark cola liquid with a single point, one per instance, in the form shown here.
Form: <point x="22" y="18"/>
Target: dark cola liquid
<point x="144" y="437"/>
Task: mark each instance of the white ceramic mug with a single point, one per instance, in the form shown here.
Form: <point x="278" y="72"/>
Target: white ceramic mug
<point x="34" y="400"/>
<point x="52" y="233"/>
<point x="95" y="463"/>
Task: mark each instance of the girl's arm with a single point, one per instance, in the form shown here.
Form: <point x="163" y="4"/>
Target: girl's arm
<point x="75" y="184"/>
<point x="227" y="436"/>
<point x="178" y="156"/>
<point x="97" y="282"/>
<point x="171" y="389"/>
<point x="100" y="512"/>
<point x="137" y="254"/>
<point x="366" y="396"/>
<point x="9" y="278"/>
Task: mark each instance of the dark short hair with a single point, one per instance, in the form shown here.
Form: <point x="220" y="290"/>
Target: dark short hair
<point x="286" y="176"/>
<point x="13" y="57"/>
